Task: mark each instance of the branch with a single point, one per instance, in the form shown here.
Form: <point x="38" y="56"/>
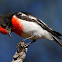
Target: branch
<point x="20" y="54"/>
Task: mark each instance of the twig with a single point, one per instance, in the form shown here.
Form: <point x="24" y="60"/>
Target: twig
<point x="21" y="52"/>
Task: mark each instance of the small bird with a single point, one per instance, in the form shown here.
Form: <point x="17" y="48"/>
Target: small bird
<point x="27" y="26"/>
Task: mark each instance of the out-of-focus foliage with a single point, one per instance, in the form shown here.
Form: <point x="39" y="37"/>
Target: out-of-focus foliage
<point x="50" y="11"/>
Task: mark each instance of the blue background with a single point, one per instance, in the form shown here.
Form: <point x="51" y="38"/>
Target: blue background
<point x="50" y="11"/>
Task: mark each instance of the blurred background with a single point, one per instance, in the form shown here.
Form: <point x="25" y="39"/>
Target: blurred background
<point x="50" y="11"/>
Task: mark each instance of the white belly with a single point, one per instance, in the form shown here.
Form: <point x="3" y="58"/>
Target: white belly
<point x="28" y="29"/>
<point x="32" y="29"/>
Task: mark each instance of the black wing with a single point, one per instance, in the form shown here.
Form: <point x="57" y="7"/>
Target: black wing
<point x="41" y="23"/>
<point x="44" y="26"/>
<point x="54" y="34"/>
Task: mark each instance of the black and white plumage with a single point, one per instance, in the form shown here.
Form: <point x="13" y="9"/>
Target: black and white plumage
<point x="37" y="28"/>
<point x="29" y="26"/>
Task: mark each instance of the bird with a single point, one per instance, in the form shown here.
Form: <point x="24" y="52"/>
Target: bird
<point x="27" y="26"/>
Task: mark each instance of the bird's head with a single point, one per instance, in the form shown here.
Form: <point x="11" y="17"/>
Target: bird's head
<point x="5" y="23"/>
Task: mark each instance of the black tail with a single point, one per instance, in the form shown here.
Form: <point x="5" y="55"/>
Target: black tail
<point x="56" y="37"/>
<point x="57" y="34"/>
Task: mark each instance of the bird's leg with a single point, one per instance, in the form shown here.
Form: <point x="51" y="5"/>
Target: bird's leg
<point x="28" y="38"/>
<point x="33" y="41"/>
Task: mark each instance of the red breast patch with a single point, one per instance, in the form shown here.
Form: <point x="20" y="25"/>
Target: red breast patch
<point x="18" y="27"/>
